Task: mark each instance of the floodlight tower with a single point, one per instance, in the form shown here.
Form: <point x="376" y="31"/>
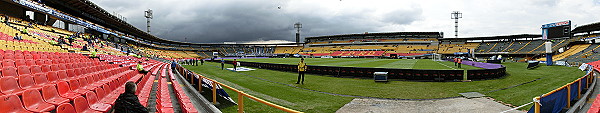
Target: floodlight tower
<point x="298" y="26"/>
<point x="148" y="15"/>
<point x="456" y="15"/>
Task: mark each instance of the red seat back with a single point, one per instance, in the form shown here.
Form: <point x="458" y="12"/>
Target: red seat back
<point x="11" y="104"/>
<point x="65" y="108"/>
<point x="30" y="62"/>
<point x="9" y="85"/>
<point x="100" y="93"/>
<point x="54" y="67"/>
<point x="40" y="78"/>
<point x="24" y="70"/>
<point x="50" y="92"/>
<point x="46" y="68"/>
<point x="26" y="82"/>
<point x="20" y="62"/>
<point x="62" y="75"/>
<point x="63" y="88"/>
<point x="91" y="97"/>
<point x="32" y="100"/>
<point x="73" y="84"/>
<point x="9" y="71"/>
<point x="81" y="104"/>
<point x="52" y="76"/>
<point x="36" y="69"/>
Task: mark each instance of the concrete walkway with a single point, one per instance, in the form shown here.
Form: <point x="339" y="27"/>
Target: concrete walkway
<point x="453" y="105"/>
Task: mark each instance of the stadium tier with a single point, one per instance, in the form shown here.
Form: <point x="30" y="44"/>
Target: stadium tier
<point x="79" y="57"/>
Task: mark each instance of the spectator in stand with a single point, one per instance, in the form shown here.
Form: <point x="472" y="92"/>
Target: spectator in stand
<point x="85" y="48"/>
<point x="128" y="102"/>
<point x="301" y="69"/>
<point x="17" y="37"/>
<point x="173" y="64"/>
<point x="234" y="65"/>
<point x="140" y="68"/>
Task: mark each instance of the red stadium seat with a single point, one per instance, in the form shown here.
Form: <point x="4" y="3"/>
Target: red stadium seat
<point x="106" y="98"/>
<point x="19" y="56"/>
<point x="52" y="77"/>
<point x="71" y="73"/>
<point x="62" y="66"/>
<point x="55" y="67"/>
<point x="9" y="56"/>
<point x="23" y="70"/>
<point x="46" y="68"/>
<point x="65" y="108"/>
<point x="20" y="62"/>
<point x="95" y="104"/>
<point x="62" y="75"/>
<point x="11" y="104"/>
<point x="26" y="82"/>
<point x="9" y="85"/>
<point x="39" y="62"/>
<point x="30" y="62"/>
<point x="82" y="106"/>
<point x="32" y="100"/>
<point x="75" y="87"/>
<point x="64" y="90"/>
<point x="28" y="56"/>
<point x="50" y="94"/>
<point x="36" y="69"/>
<point x="9" y="71"/>
<point x="40" y="79"/>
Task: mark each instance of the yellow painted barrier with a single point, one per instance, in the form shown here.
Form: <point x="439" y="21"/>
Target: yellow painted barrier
<point x="587" y="77"/>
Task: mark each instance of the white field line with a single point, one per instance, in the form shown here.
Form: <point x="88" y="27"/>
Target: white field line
<point x="445" y="65"/>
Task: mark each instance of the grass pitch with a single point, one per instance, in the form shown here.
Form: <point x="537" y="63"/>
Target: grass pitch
<point x="276" y="89"/>
<point x="359" y="62"/>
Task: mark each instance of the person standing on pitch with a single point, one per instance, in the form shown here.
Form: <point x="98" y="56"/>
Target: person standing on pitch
<point x="202" y="61"/>
<point x="455" y="61"/>
<point x="459" y="62"/>
<point x="234" y="65"/>
<point x="301" y="69"/>
<point x="222" y="64"/>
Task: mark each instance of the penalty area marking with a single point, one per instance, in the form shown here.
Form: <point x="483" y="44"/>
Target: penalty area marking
<point x="445" y="65"/>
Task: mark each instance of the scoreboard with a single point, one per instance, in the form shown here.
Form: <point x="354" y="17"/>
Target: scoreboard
<point x="557" y="30"/>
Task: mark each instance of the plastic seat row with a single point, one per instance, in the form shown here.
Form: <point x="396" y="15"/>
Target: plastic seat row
<point x="163" y="97"/>
<point x="184" y="100"/>
<point x="144" y="88"/>
<point x="595" y="108"/>
<point x="35" y="102"/>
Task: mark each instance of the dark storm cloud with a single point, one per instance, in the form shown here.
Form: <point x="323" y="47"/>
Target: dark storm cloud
<point x="249" y="20"/>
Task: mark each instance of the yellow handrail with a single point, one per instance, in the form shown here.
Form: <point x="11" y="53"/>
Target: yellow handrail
<point x="537" y="105"/>
<point x="241" y="94"/>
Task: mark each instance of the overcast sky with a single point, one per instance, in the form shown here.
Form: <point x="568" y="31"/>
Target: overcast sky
<point x="217" y="21"/>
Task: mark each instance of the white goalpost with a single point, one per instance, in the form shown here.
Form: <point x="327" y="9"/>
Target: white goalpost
<point x="436" y="57"/>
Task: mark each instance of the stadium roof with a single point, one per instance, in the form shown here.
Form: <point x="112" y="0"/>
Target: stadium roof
<point x="440" y="34"/>
<point x="87" y="10"/>
<point x="587" y="28"/>
<point x="500" y="37"/>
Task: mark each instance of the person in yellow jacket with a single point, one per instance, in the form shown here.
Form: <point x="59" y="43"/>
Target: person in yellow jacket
<point x="140" y="67"/>
<point x="301" y="69"/>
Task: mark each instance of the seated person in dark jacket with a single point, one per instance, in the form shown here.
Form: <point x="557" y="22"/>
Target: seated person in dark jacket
<point x="128" y="102"/>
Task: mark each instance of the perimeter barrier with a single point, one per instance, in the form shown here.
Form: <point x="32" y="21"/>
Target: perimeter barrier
<point x="561" y="99"/>
<point x="214" y="85"/>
